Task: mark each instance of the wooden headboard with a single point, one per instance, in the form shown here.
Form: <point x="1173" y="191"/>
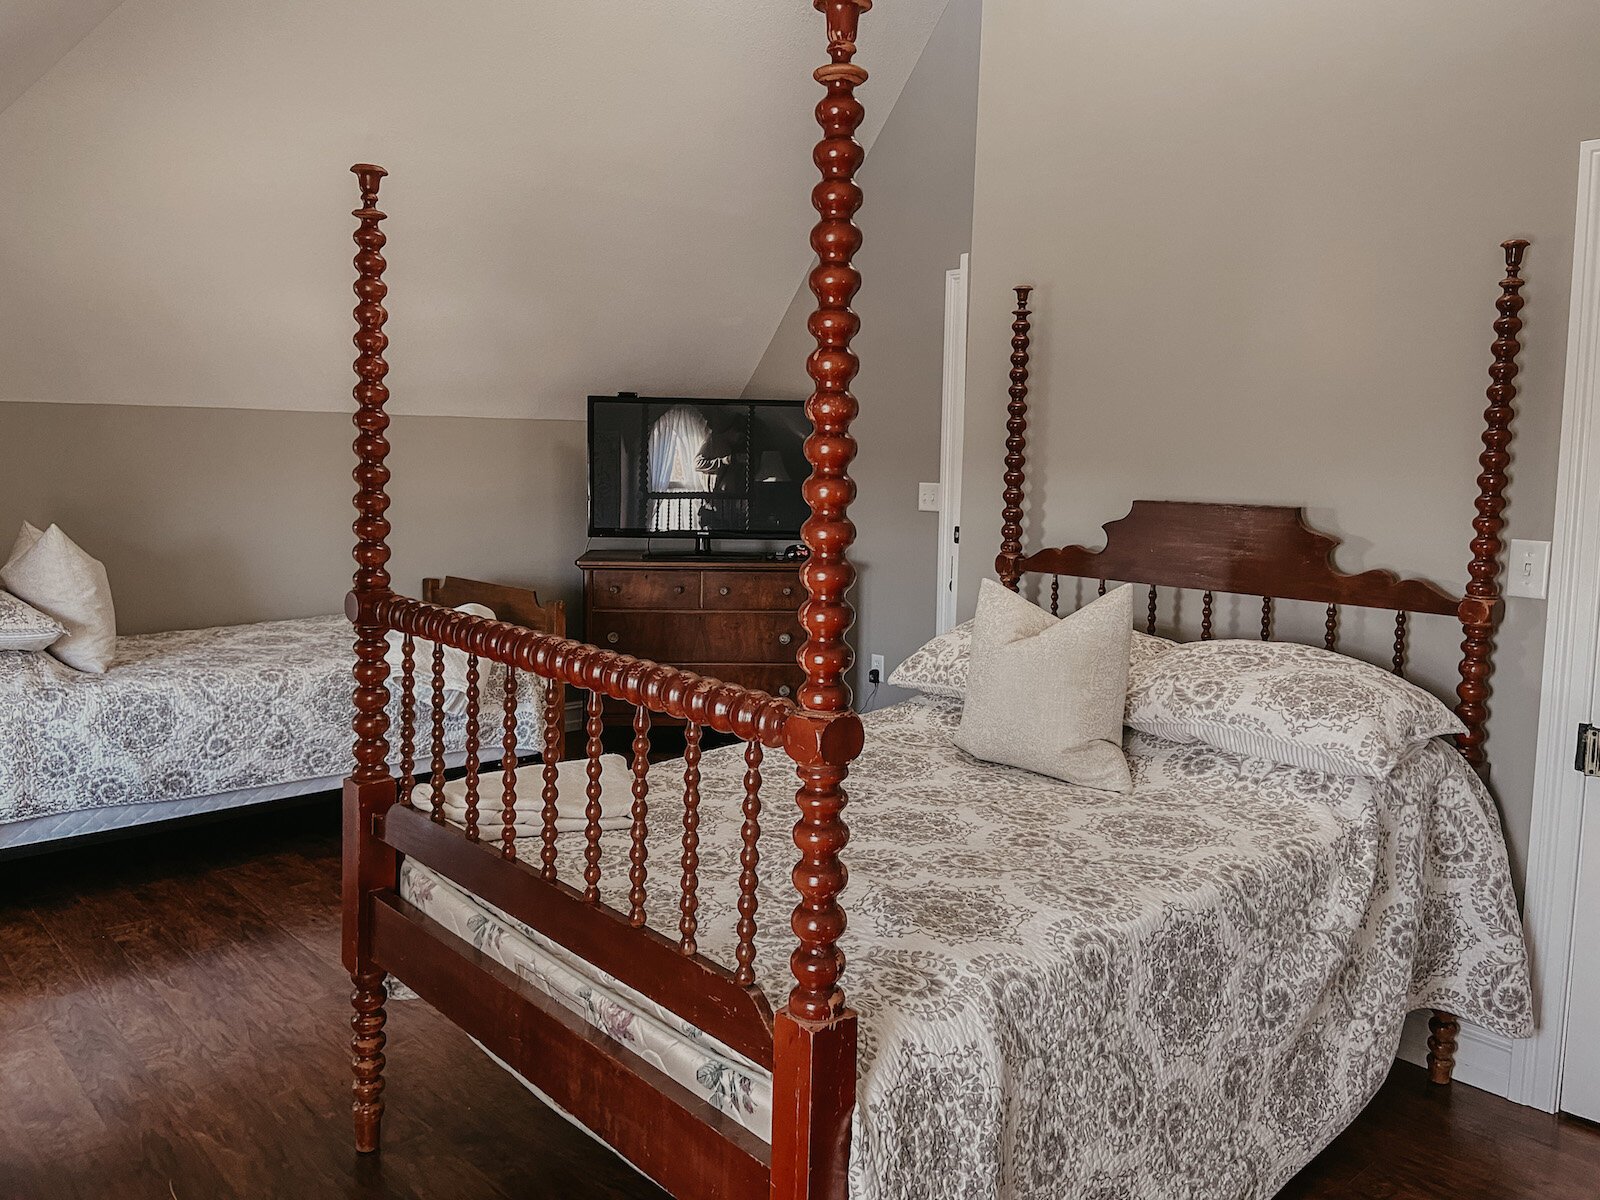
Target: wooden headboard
<point x="514" y="605"/>
<point x="1270" y="551"/>
<point x="519" y="606"/>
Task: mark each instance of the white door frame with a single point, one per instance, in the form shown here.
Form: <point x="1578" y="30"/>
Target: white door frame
<point x="1572" y="648"/>
<point x="952" y="427"/>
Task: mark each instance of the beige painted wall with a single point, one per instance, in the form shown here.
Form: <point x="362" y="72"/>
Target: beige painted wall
<point x="1265" y="241"/>
<point x="916" y="223"/>
<point x="208" y="516"/>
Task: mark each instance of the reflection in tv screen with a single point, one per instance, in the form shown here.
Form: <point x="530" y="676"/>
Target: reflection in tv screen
<point x="695" y="468"/>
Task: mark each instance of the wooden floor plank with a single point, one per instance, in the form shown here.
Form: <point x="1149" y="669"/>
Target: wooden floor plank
<point x="174" y="1025"/>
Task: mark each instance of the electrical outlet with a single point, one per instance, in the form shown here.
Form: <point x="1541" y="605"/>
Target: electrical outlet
<point x="1528" y="569"/>
<point x="927" y="497"/>
<point x="875" y="669"/>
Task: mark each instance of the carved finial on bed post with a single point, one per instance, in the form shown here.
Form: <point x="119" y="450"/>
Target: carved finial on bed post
<point x="1016" y="442"/>
<point x="370" y="790"/>
<point x="1481" y="606"/>
<point x="814" y="1037"/>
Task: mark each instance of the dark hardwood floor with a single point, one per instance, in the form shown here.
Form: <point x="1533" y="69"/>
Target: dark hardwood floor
<point x="173" y="1026"/>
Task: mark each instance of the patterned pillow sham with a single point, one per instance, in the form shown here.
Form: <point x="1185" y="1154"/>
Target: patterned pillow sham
<point x="939" y="667"/>
<point x="1301" y="706"/>
<point x="24" y="627"/>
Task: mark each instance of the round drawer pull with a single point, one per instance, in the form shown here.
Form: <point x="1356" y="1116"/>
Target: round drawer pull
<point x="788" y="591"/>
<point x="678" y="591"/>
<point x="786" y="690"/>
<point x="784" y="639"/>
<point x="612" y="637"/>
<point x="614" y="588"/>
<point x="722" y="591"/>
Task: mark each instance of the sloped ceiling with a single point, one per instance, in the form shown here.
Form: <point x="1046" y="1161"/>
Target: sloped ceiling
<point x="594" y="196"/>
<point x="34" y="34"/>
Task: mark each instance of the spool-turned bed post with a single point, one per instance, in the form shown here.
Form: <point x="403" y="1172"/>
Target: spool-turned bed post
<point x="369" y="790"/>
<point x="1481" y="606"/>
<point x="814" y="1036"/>
<point x="1006" y="565"/>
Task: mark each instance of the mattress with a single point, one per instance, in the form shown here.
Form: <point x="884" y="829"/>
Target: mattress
<point x="191" y="719"/>
<point x="1187" y="990"/>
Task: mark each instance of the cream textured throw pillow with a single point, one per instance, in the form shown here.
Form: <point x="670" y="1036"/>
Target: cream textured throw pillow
<point x="1047" y="695"/>
<point x="50" y="572"/>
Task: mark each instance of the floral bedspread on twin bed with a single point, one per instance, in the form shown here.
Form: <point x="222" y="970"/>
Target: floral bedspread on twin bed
<point x="199" y="712"/>
<point x="1183" y="991"/>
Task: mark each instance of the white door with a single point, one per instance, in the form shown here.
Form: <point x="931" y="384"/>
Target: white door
<point x="951" y="430"/>
<point x="1580" y="1077"/>
<point x="1560" y="1066"/>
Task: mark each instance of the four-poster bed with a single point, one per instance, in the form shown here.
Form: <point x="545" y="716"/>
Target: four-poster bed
<point x="553" y="950"/>
<point x="1271" y="553"/>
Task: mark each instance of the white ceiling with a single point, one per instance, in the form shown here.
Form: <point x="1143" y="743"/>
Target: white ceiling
<point x="593" y="196"/>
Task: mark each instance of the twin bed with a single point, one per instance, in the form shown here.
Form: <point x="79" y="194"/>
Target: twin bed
<point x="199" y="721"/>
<point x="1186" y="990"/>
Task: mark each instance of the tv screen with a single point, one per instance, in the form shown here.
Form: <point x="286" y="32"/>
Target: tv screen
<point x="696" y="468"/>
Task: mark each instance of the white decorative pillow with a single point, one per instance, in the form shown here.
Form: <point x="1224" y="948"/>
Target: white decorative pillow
<point x="24" y="627"/>
<point x="454" y="663"/>
<point x="1046" y="694"/>
<point x="1297" y="705"/>
<point x="939" y="667"/>
<point x="48" y="571"/>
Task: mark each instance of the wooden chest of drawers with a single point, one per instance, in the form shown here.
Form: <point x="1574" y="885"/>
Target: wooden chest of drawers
<point x="736" y="621"/>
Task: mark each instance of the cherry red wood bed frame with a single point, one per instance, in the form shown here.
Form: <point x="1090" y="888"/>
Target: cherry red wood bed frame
<point x="809" y="1044"/>
<point x="394" y="807"/>
<point x="1270" y="552"/>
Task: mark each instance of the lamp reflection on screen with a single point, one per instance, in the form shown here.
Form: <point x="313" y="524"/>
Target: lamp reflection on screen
<point x="772" y="469"/>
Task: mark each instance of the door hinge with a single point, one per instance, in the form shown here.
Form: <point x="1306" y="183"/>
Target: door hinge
<point x="957" y="538"/>
<point x="1588" y="757"/>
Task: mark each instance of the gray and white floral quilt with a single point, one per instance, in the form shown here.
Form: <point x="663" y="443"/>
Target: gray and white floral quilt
<point x="198" y="712"/>
<point x="1185" y="991"/>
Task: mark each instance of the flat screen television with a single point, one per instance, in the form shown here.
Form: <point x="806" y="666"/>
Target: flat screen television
<point x="701" y="469"/>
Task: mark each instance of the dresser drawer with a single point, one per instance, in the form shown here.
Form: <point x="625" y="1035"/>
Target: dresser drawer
<point x="778" y="590"/>
<point x="645" y="589"/>
<point x="677" y="638"/>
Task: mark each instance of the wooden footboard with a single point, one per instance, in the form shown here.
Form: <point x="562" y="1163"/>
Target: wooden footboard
<point x="405" y="816"/>
<point x="394" y="797"/>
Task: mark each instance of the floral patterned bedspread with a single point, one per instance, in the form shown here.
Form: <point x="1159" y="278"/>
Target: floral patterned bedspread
<point x="1185" y="991"/>
<point x="199" y="712"/>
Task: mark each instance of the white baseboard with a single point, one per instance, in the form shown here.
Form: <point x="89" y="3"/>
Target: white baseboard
<point x="1483" y="1059"/>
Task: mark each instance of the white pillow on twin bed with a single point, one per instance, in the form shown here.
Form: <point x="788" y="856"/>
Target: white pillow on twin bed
<point x="1046" y="694"/>
<point x="939" y="667"/>
<point x="50" y="572"/>
<point x="24" y="627"/>
<point x="1301" y="706"/>
<point x="455" y="665"/>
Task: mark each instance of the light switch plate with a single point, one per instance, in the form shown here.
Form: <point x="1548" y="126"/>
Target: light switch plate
<point x="928" y="497"/>
<point x="1528" y="569"/>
